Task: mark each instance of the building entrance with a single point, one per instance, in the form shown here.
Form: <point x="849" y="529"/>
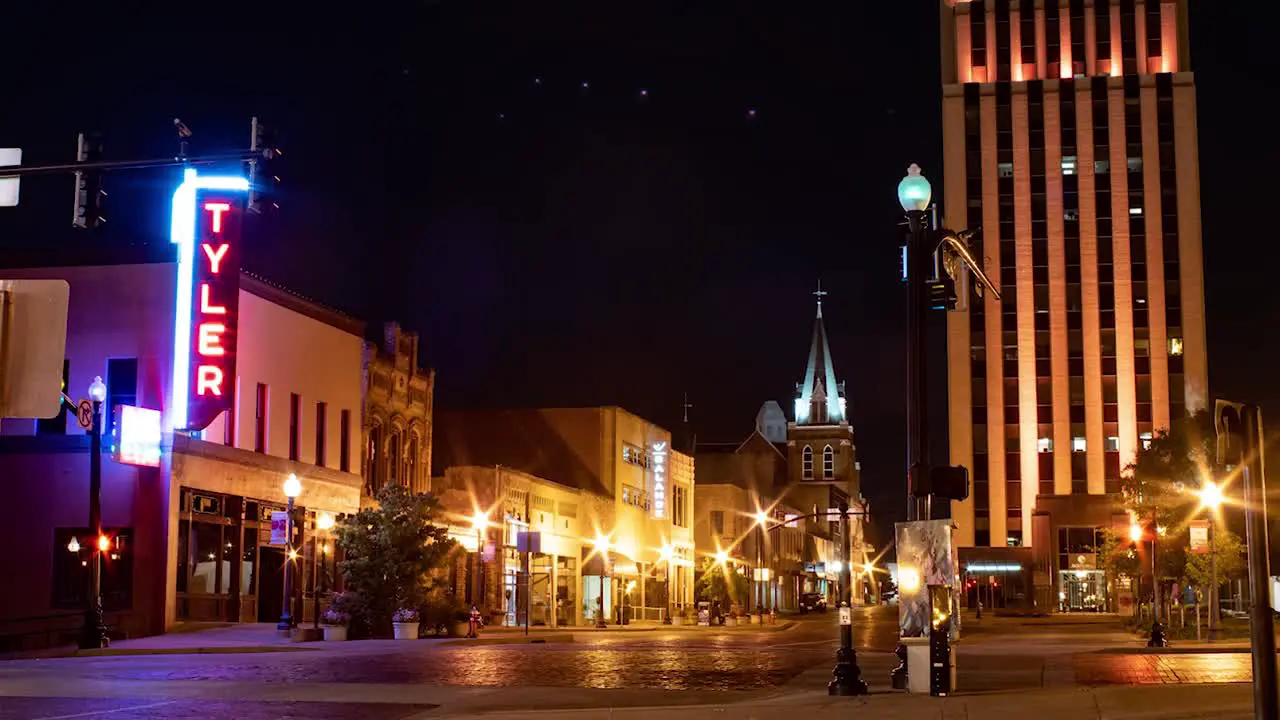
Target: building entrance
<point x="1082" y="591"/>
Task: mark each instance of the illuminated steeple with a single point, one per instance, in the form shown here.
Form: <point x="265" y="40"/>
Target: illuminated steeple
<point x="820" y="399"/>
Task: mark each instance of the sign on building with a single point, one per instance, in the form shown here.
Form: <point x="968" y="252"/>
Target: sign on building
<point x="208" y="215"/>
<point x="659" y="453"/>
<point x="33" y="344"/>
<point x="1199" y="536"/>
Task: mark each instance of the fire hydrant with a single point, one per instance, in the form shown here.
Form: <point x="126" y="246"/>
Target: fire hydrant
<point x="473" y="623"/>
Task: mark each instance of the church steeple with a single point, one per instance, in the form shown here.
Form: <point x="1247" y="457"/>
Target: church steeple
<point x="820" y="399"/>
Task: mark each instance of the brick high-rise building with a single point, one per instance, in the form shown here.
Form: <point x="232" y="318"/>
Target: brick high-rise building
<point x="1070" y="138"/>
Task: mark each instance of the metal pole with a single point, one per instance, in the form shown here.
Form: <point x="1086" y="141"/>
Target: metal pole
<point x="1157" y="630"/>
<point x="1266" y="701"/>
<point x="846" y="677"/>
<point x="13" y="171"/>
<point x="94" y="634"/>
<point x="1215" y="632"/>
<point x="315" y="578"/>
<point x="286" y="618"/>
<point x="917" y="374"/>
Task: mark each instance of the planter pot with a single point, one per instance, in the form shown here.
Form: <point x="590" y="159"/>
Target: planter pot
<point x="335" y="633"/>
<point x="731" y="621"/>
<point x="676" y="621"/>
<point x="458" y="629"/>
<point x="756" y="619"/>
<point x="406" y="631"/>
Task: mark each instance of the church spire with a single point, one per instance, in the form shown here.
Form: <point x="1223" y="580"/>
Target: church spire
<point x="820" y="400"/>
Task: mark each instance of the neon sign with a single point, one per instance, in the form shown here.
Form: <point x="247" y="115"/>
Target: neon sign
<point x="659" y="479"/>
<point x="137" y="436"/>
<point x="208" y="213"/>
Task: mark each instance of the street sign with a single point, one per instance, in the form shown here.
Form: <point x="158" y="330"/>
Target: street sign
<point x="9" y="185"/>
<point x="84" y="414"/>
<point x="33" y="346"/>
<point x="846" y="616"/>
<point x="279" y="527"/>
<point x="529" y="542"/>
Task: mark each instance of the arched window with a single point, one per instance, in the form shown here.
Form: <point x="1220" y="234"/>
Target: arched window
<point x="828" y="462"/>
<point x="411" y="463"/>
<point x="373" y="471"/>
<point x="806" y="466"/>
<point x="394" y="470"/>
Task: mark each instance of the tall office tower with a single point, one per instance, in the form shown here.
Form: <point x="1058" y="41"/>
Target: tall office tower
<point x="1070" y="138"/>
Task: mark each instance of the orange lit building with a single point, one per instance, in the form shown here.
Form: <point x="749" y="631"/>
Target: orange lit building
<point x="1070" y="138"/>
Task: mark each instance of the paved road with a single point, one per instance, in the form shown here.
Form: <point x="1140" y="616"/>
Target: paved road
<point x="431" y="679"/>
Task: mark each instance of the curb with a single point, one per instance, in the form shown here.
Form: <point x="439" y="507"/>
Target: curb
<point x="518" y="640"/>
<point x="112" y="652"/>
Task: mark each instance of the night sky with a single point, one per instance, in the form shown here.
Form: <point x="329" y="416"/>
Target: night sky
<point x="579" y="204"/>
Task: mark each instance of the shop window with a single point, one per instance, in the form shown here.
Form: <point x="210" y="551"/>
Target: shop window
<point x="122" y="389"/>
<point x="71" y="568"/>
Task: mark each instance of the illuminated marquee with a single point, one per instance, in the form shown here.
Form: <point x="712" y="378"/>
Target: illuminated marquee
<point x="659" y="451"/>
<point x="208" y="213"/>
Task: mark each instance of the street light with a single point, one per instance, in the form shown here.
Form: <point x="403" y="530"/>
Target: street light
<point x="94" y="634"/>
<point x="292" y="489"/>
<point x="324" y="523"/>
<point x="761" y="586"/>
<point x="1211" y="499"/>
<point x="666" y="554"/>
<point x="914" y="194"/>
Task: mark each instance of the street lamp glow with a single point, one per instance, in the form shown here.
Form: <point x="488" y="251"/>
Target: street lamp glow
<point x="1135" y="532"/>
<point x="292" y="486"/>
<point x="601" y="543"/>
<point x="104" y="543"/>
<point x="1211" y="495"/>
<point x="480" y="520"/>
<point x="762" y="518"/>
<point x="666" y="551"/>
<point x="836" y="566"/>
<point x="74" y="545"/>
<point x="97" y="389"/>
<point x="722" y="557"/>
<point x="914" y="192"/>
<point x="324" y="521"/>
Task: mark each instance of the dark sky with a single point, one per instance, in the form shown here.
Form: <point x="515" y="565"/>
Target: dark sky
<point x="562" y="245"/>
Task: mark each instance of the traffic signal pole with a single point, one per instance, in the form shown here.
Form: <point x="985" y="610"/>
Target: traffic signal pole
<point x="1266" y="703"/>
<point x="25" y="170"/>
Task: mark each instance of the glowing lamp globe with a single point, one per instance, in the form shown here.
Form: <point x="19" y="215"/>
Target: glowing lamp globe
<point x="292" y="486"/>
<point x="97" y="390"/>
<point x="914" y="192"/>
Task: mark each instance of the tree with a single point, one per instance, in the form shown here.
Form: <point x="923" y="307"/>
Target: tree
<point x="391" y="551"/>
<point x="1228" y="553"/>
<point x="1162" y="479"/>
<point x="718" y="584"/>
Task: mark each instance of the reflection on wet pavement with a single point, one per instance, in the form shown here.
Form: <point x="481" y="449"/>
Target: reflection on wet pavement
<point x="31" y="708"/>
<point x="1149" y="669"/>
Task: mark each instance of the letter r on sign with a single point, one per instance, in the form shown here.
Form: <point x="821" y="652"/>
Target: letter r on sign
<point x="209" y="380"/>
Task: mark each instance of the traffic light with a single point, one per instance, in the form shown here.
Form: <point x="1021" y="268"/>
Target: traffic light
<point x="90" y="198"/>
<point x="264" y="178"/>
<point x="942" y="294"/>
<point x="1228" y="423"/>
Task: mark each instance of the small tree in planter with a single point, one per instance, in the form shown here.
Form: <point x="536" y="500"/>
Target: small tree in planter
<point x="405" y="622"/>
<point x="391" y="551"/>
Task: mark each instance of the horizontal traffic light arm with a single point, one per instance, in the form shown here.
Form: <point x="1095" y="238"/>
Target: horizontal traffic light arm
<point x="21" y="170"/>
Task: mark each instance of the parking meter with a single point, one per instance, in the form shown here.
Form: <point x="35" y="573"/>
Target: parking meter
<point x="940" y="665"/>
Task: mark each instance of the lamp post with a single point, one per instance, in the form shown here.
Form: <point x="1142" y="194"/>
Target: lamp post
<point x="480" y="523"/>
<point x="666" y="553"/>
<point x="292" y="489"/>
<point x="94" y="634"/>
<point x="324" y="522"/>
<point x="1157" y="630"/>
<point x="914" y="194"/>
<point x="1211" y="499"/>
<point x="846" y="676"/>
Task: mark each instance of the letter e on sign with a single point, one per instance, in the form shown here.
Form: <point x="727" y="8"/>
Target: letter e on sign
<point x="215" y="305"/>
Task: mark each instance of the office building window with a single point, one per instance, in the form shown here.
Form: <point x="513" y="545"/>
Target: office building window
<point x="322" y="411"/>
<point x="295" y="424"/>
<point x="344" y="440"/>
<point x="679" y="506"/>
<point x="260" y="419"/>
<point x="71" y="569"/>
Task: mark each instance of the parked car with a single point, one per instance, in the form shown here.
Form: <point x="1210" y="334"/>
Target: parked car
<point x="812" y="602"/>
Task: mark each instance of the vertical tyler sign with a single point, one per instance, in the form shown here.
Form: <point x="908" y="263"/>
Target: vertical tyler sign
<point x="659" y="451"/>
<point x="208" y="214"/>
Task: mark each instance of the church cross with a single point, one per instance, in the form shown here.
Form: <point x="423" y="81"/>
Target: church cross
<point x="820" y="293"/>
<point x="686" y="406"/>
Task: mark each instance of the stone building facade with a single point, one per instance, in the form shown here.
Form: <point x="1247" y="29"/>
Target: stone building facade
<point x="396" y="426"/>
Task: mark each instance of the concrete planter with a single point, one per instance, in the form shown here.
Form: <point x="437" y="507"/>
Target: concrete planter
<point x="458" y="629"/>
<point x="335" y="633"/>
<point x="757" y="619"/>
<point x="731" y="621"/>
<point x="406" y="631"/>
<point x="676" y="621"/>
